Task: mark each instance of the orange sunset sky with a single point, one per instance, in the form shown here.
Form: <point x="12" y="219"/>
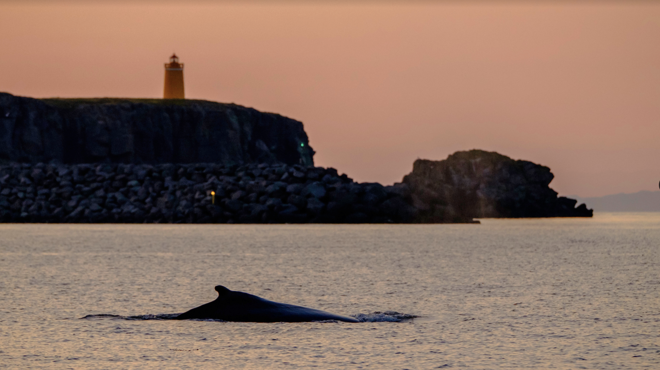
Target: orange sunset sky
<point x="575" y="87"/>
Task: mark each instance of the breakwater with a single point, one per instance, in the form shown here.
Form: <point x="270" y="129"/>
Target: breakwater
<point x="467" y="185"/>
<point x="195" y="193"/>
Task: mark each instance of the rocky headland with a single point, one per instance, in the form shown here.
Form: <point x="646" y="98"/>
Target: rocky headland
<point x="146" y="131"/>
<point x="190" y="161"/>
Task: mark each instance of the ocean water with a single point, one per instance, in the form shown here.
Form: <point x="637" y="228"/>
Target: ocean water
<point x="543" y="293"/>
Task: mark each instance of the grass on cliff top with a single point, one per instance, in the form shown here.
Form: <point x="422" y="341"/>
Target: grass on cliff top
<point x="73" y="102"/>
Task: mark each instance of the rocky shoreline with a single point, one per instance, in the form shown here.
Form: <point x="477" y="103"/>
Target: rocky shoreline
<point x="194" y="161"/>
<point x="183" y="193"/>
<point x="465" y="186"/>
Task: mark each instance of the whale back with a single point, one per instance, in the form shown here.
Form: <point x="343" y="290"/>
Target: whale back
<point x="238" y="306"/>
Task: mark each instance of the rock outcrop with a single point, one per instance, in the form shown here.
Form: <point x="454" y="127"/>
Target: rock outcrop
<point x="146" y="131"/>
<point x="480" y="184"/>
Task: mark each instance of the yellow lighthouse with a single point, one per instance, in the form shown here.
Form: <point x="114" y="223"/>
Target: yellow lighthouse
<point x="173" y="79"/>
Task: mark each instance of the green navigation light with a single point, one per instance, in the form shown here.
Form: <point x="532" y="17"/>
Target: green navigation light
<point x="302" y="144"/>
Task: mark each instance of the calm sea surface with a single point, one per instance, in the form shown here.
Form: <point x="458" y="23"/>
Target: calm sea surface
<point x="548" y="293"/>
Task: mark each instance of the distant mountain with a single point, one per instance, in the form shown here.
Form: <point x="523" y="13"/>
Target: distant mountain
<point x="643" y="201"/>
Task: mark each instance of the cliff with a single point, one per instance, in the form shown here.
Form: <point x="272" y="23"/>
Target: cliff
<point x="149" y="131"/>
<point x="480" y="184"/>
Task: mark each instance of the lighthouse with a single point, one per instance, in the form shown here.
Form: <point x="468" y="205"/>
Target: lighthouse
<point x="173" y="79"/>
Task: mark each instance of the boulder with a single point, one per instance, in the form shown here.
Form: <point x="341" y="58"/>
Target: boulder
<point x="315" y="189"/>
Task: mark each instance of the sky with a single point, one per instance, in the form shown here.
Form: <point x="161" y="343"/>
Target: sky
<point x="378" y="84"/>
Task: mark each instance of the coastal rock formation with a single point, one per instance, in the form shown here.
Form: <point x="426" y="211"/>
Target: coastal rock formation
<point x="480" y="184"/>
<point x="162" y="161"/>
<point x="465" y="186"/>
<point x="195" y="193"/>
<point x="146" y="131"/>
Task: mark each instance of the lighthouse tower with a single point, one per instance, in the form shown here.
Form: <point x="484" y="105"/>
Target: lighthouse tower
<point x="173" y="79"/>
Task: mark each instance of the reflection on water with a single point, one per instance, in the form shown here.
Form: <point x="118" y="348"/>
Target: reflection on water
<point x="562" y="293"/>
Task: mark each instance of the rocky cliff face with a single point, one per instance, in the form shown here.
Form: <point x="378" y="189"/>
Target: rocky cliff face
<point x="146" y="131"/>
<point x="479" y="184"/>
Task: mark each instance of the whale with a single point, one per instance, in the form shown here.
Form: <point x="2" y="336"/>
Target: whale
<point x="243" y="307"/>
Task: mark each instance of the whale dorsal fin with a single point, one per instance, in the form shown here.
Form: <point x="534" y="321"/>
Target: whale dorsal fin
<point x="221" y="290"/>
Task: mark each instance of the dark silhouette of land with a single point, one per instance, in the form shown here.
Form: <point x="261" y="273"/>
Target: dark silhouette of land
<point x="152" y="160"/>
